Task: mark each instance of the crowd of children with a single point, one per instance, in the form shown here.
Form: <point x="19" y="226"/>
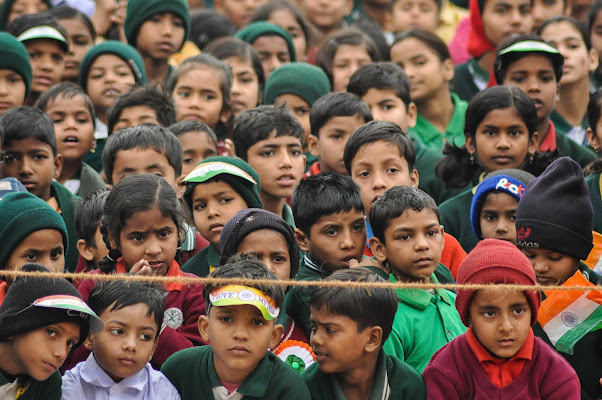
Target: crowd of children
<point x="302" y="153"/>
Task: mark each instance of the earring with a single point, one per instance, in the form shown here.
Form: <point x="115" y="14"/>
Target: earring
<point x="92" y="151"/>
<point x="531" y="158"/>
<point x="596" y="148"/>
<point x="471" y="159"/>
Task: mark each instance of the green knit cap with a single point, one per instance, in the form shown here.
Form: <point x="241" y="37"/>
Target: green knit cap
<point x="13" y="55"/>
<point x="251" y="32"/>
<point x="304" y="80"/>
<point x="22" y="214"/>
<point x="7" y="6"/>
<point x="139" y="11"/>
<point x="124" y="51"/>
<point x="234" y="171"/>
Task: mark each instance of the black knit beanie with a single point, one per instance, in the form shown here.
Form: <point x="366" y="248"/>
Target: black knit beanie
<point x="556" y="212"/>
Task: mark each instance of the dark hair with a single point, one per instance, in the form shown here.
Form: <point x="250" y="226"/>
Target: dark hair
<point x="393" y="203"/>
<point x="208" y="25"/>
<point x="131" y="195"/>
<point x="349" y="36"/>
<point x="578" y="25"/>
<point x="257" y="124"/>
<point x="430" y="39"/>
<point x="456" y="169"/>
<point x="384" y="75"/>
<point x="244" y="268"/>
<point x="264" y="12"/>
<point x="20" y="24"/>
<point x="88" y="215"/>
<point x="147" y="95"/>
<point x="182" y="127"/>
<point x="376" y="131"/>
<point x="367" y="307"/>
<point x="25" y="122"/>
<point x="340" y="104"/>
<point x="593" y="116"/>
<point x="594" y="10"/>
<point x="439" y="3"/>
<point x="121" y="294"/>
<point x="66" y="90"/>
<point x="66" y="12"/>
<point x="374" y="32"/>
<point x="146" y="136"/>
<point x="324" y="194"/>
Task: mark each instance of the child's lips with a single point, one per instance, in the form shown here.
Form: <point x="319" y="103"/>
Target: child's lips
<point x="217" y="227"/>
<point x="239" y="350"/>
<point x="28" y="184"/>
<point x="43" y="80"/>
<point x="111" y="92"/>
<point x="544" y="280"/>
<point x="286" y="180"/>
<point x="423" y="262"/>
<point x="166" y="46"/>
<point x="127" y="361"/>
<point x="506" y="342"/>
<point x="155" y="264"/>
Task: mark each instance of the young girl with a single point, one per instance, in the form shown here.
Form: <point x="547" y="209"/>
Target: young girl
<point x="594" y="26"/>
<point x="570" y="38"/>
<point x="342" y="53"/>
<point x="593" y="171"/>
<point x="81" y="35"/>
<point x="499" y="134"/>
<point x="142" y="228"/>
<point x="426" y="60"/>
<point x="72" y="114"/>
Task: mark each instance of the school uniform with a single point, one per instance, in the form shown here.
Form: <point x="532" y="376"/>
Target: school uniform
<point x="567" y="147"/>
<point x="67" y="204"/>
<point x="192" y="372"/>
<point x="595" y="195"/>
<point x="563" y="127"/>
<point x="455" y="218"/>
<point x="424" y="322"/>
<point x="469" y="79"/>
<point x="50" y="389"/>
<point x="89" y="182"/>
<point x="202" y="263"/>
<point x="393" y="380"/>
<point x="89" y="381"/>
<point x="454" y="133"/>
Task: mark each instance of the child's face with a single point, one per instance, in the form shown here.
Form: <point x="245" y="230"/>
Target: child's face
<point x="109" y="77"/>
<point x="134" y="116"/>
<point x="335" y="239"/>
<point x="245" y="85"/>
<point x="326" y="15"/>
<point x="543" y="10"/>
<point x="375" y="175"/>
<point x="414" y="242"/>
<point x="41" y="352"/>
<point x="271" y="248"/>
<point x="279" y="162"/>
<point x="213" y="205"/>
<point x="95" y="252"/>
<point x="286" y="20"/>
<point x="33" y="163"/>
<point x="47" y="62"/>
<point x="149" y="235"/>
<point x="198" y="96"/>
<point x="237" y="11"/>
<point x="498" y="215"/>
<point x="160" y="36"/>
<point x="240" y="337"/>
<point x="272" y="51"/>
<point x="501" y="140"/>
<point x="80" y="41"/>
<point x="500" y="320"/>
<point x="299" y="108"/>
<point x="138" y="161"/>
<point x="428" y="74"/>
<point x="346" y="60"/>
<point x="551" y="268"/>
<point x="414" y="14"/>
<point x="12" y="90"/>
<point x="127" y="341"/>
<point x="25" y="7"/>
<point x="596" y="34"/>
<point x="44" y="247"/>
<point x="72" y="125"/>
<point x="505" y="18"/>
<point x="386" y="106"/>
<point x="197" y="146"/>
<point x="330" y="146"/>
<point x="595" y="139"/>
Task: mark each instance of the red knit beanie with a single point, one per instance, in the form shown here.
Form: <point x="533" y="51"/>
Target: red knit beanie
<point x="495" y="261"/>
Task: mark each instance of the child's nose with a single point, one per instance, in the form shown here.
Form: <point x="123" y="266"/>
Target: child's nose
<point x="129" y="343"/>
<point x="154" y="247"/>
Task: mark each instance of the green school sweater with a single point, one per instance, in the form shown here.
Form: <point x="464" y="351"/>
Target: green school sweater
<point x="424" y="323"/>
<point x="454" y="133"/>
<point x="463" y="83"/>
<point x="50" y="389"/>
<point x="568" y="147"/>
<point x="202" y="262"/>
<point x="455" y="218"/>
<point x="192" y="372"/>
<point x="595" y="195"/>
<point x="391" y="376"/>
<point x="68" y="203"/>
<point x="561" y="124"/>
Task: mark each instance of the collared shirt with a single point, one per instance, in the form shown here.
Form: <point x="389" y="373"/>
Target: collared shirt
<point x="380" y="385"/>
<point x="102" y="130"/>
<point x="454" y="132"/>
<point x="549" y="143"/>
<point x="501" y="371"/>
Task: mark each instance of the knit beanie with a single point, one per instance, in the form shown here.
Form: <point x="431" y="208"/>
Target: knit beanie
<point x="511" y="181"/>
<point x="251" y="220"/>
<point x="304" y="80"/>
<point x="124" y="51"/>
<point x="251" y="32"/>
<point x="22" y="214"/>
<point x="139" y="11"/>
<point x="13" y="55"/>
<point x="234" y="171"/>
<point x="7" y="6"/>
<point x="556" y="212"/>
<point x="495" y="261"/>
<point x="33" y="302"/>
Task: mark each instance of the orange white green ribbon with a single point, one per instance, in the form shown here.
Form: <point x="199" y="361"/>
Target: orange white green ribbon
<point x="236" y="295"/>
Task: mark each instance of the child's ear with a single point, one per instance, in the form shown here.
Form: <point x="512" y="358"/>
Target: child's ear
<point x="379" y="250"/>
<point x="88" y="343"/>
<point x="58" y="166"/>
<point x="412" y="115"/>
<point x="302" y="240"/>
<point x="348" y="7"/>
<point x="593" y="139"/>
<point x="225" y="115"/>
<point x="375" y="337"/>
<point x="593" y="59"/>
<point x="312" y="145"/>
<point x="414" y="178"/>
<point x="470" y="145"/>
<point x="85" y="250"/>
<point x="447" y="67"/>
<point x="204" y="327"/>
<point x="533" y="143"/>
<point x="150" y="357"/>
<point x="276" y="335"/>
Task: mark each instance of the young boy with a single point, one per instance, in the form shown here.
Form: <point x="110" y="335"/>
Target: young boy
<point x="240" y="326"/>
<point x="31" y="156"/>
<point x="498" y="357"/>
<point x="270" y="139"/>
<point x="408" y="237"/>
<point x="329" y="216"/>
<point x="326" y="16"/>
<point x="41" y="320"/>
<point x="415" y="14"/>
<point x="554" y="230"/>
<point x="15" y="72"/>
<point x="333" y="119"/>
<point x="217" y="189"/>
<point x="132" y="313"/>
<point x="90" y="243"/>
<point x="535" y="67"/>
<point x="352" y="363"/>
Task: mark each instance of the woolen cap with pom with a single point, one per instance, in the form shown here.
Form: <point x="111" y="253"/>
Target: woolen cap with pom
<point x="302" y="79"/>
<point x="251" y="32"/>
<point x="556" y="212"/>
<point x="495" y="261"/>
<point x="14" y="56"/>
